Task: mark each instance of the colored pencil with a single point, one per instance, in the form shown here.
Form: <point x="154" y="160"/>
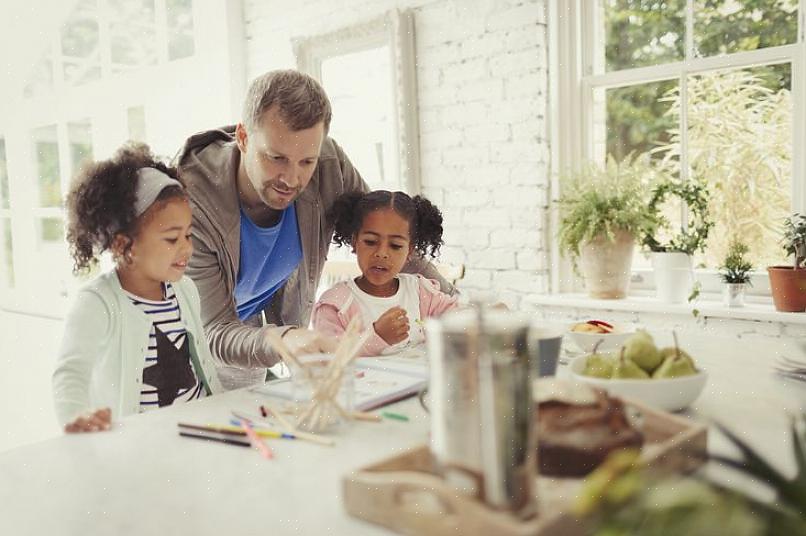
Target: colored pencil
<point x="286" y="427"/>
<point x="236" y="430"/>
<point x="365" y="416"/>
<point x="395" y="416"/>
<point x="213" y="438"/>
<point x="258" y="443"/>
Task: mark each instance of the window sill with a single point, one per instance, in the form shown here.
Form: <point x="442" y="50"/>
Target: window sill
<point x="707" y="306"/>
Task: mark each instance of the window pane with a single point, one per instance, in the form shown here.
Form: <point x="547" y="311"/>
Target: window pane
<point x="7" y="266"/>
<point x="79" y="135"/>
<point x="136" y="123"/>
<point x="725" y="26"/>
<point x="639" y="119"/>
<point x="363" y="113"/>
<point x="643" y="32"/>
<point x="180" y="28"/>
<point x="46" y="158"/>
<point x="133" y="34"/>
<point x="40" y="80"/>
<point x="740" y="135"/>
<point x="51" y="230"/>
<point x="3" y="175"/>
<point x="79" y="45"/>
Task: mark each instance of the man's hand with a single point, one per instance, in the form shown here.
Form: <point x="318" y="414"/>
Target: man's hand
<point x="94" y="422"/>
<point x="392" y="326"/>
<point x="305" y="341"/>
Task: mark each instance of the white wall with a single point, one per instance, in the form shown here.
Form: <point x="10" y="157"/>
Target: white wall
<point x="482" y="85"/>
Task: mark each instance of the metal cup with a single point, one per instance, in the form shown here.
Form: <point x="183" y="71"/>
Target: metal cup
<point x="482" y="434"/>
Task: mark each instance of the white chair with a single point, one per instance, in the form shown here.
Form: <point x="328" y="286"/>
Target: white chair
<point x="336" y="270"/>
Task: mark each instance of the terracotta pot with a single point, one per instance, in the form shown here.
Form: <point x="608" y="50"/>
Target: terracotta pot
<point x="606" y="266"/>
<point x="788" y="288"/>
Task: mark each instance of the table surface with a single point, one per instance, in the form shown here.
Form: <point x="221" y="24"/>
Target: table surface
<point x="142" y="478"/>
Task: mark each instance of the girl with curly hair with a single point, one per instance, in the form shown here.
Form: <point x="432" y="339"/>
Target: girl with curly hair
<point x="384" y="228"/>
<point x="133" y="339"/>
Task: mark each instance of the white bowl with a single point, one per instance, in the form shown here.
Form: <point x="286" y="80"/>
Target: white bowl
<point x="611" y="342"/>
<point x="670" y="394"/>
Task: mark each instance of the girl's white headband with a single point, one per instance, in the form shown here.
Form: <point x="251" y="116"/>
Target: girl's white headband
<point x="150" y="182"/>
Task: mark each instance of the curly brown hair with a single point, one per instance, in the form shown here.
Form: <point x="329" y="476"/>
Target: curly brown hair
<point x="425" y="220"/>
<point x="100" y="204"/>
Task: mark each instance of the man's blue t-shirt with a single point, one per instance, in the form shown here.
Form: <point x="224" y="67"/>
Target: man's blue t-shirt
<point x="268" y="256"/>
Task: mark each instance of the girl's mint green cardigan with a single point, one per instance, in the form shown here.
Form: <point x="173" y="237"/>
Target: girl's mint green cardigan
<point x="101" y="359"/>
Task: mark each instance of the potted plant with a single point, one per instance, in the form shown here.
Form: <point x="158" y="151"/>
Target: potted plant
<point x="735" y="272"/>
<point x="788" y="283"/>
<point x="602" y="212"/>
<point x="671" y="260"/>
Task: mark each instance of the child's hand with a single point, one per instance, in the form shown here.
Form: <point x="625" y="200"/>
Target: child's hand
<point x="392" y="326"/>
<point x="94" y="422"/>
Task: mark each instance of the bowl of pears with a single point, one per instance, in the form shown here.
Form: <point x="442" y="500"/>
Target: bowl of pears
<point x="665" y="378"/>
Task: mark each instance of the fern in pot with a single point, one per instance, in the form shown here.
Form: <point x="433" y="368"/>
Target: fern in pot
<point x="788" y="283"/>
<point x="735" y="273"/>
<point x="603" y="209"/>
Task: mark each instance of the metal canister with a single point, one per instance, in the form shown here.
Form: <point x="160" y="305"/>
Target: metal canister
<point x="482" y="433"/>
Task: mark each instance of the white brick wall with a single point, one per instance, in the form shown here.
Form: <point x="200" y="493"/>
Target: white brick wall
<point x="482" y="86"/>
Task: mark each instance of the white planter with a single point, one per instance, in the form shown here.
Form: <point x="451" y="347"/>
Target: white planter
<point x="734" y="294"/>
<point x="606" y="266"/>
<point x="674" y="277"/>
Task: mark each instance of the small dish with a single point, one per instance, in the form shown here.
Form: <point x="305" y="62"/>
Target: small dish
<point x="611" y="342"/>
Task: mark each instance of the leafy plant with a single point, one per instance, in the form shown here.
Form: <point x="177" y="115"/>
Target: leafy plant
<point x="736" y="267"/>
<point x="739" y="143"/>
<point x="690" y="238"/>
<point x="794" y="238"/>
<point x="601" y="200"/>
<point x="623" y="497"/>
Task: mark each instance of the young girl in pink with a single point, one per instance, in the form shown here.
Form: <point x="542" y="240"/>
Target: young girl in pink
<point x="384" y="228"/>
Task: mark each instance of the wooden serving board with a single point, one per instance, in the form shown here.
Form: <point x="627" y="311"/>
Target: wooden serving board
<point x="405" y="494"/>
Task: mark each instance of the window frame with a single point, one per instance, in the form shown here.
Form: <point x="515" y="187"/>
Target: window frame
<point x="573" y="32"/>
<point x="63" y="103"/>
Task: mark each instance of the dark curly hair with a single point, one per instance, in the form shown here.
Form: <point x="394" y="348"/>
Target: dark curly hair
<point x="100" y="204"/>
<point x="425" y="220"/>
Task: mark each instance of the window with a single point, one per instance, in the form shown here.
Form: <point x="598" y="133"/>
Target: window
<point x="374" y="120"/>
<point x="6" y="245"/>
<point x="709" y="88"/>
<point x="114" y="71"/>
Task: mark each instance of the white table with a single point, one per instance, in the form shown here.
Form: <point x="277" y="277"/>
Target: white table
<point x="142" y="478"/>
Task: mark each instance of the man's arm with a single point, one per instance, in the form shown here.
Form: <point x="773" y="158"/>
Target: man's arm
<point x="231" y="341"/>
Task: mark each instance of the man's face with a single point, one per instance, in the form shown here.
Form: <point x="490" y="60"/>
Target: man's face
<point x="279" y="162"/>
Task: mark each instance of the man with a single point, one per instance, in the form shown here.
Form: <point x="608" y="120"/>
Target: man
<point x="260" y="192"/>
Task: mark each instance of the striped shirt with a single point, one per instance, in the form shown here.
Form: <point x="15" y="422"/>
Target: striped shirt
<point x="169" y="370"/>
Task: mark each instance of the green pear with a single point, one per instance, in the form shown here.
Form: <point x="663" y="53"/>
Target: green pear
<point x="641" y="350"/>
<point x="675" y="366"/>
<point x="671" y="351"/>
<point x="626" y="369"/>
<point x="599" y="366"/>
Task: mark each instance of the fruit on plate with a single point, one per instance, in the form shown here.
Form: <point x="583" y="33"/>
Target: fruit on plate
<point x="593" y="326"/>
<point x="625" y="368"/>
<point x="640" y="359"/>
<point x="677" y="364"/>
<point x="599" y="365"/>
<point x="641" y="350"/>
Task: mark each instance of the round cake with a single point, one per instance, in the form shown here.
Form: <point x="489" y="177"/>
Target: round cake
<point x="578" y="426"/>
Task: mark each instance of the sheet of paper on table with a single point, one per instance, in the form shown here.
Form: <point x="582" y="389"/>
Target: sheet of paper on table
<point x="378" y="382"/>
